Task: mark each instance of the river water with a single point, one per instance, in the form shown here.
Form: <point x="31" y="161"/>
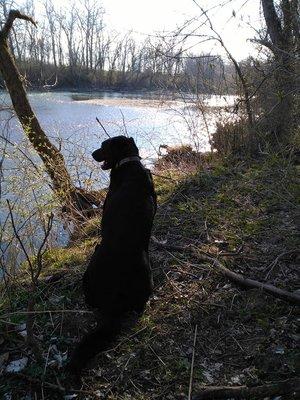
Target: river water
<point x="74" y="122"/>
<point x="69" y="120"/>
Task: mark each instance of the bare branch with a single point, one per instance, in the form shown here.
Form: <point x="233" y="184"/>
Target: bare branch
<point x="13" y="14"/>
<point x="235" y="63"/>
<point x="263" y="42"/>
<point x="20" y="241"/>
<point x="102" y="126"/>
<point x="40" y="252"/>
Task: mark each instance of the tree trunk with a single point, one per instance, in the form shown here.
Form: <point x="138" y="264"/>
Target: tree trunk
<point x="284" y="44"/>
<point x="285" y="110"/>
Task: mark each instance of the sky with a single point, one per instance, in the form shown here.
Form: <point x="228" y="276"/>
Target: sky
<point x="156" y="16"/>
<point x="233" y="20"/>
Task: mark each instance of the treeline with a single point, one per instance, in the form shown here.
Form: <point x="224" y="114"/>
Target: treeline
<point x="73" y="48"/>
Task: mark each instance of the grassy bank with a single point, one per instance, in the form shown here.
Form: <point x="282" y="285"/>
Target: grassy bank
<point x="245" y="215"/>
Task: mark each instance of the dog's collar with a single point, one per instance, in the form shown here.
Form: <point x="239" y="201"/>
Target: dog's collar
<point x="128" y="159"/>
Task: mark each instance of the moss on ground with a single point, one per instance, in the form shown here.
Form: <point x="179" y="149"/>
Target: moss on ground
<point x="244" y="337"/>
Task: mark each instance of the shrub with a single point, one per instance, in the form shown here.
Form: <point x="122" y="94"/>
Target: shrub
<point x="231" y="138"/>
<point x="178" y="156"/>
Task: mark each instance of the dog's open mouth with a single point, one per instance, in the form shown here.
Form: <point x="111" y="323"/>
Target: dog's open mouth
<point x="99" y="156"/>
<point x="105" y="165"/>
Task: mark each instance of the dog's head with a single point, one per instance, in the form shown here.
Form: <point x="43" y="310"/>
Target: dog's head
<point x="114" y="150"/>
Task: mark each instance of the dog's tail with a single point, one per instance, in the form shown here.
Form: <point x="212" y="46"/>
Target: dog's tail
<point x="98" y="340"/>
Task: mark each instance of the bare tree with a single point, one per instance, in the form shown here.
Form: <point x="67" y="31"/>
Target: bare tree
<point x="52" y="27"/>
<point x="50" y="155"/>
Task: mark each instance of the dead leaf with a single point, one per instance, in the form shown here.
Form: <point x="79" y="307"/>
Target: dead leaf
<point x="17" y="365"/>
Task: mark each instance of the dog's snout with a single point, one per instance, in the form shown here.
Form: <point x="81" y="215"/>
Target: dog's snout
<point x="98" y="155"/>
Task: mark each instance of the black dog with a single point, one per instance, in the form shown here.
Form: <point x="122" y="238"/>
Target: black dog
<point x="118" y="280"/>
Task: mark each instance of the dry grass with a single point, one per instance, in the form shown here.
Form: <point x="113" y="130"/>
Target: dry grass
<point x="244" y="337"/>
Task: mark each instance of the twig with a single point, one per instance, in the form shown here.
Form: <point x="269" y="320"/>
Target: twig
<point x="289" y="386"/>
<point x="46" y="361"/>
<point x="192" y="364"/>
<point x="124" y="123"/>
<point x="20" y="241"/>
<point x="158" y="357"/>
<point x="274" y="262"/>
<point x="102" y="126"/>
<point x="238" y="70"/>
<point x="40" y="252"/>
<point x="206" y="230"/>
<point x="23" y="153"/>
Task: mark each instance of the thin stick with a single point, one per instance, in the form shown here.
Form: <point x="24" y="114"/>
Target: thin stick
<point x="46" y="312"/>
<point x="40" y="253"/>
<point x="20" y="241"/>
<point x="102" y="126"/>
<point x="154" y="352"/>
<point x="192" y="364"/>
<point x="46" y="361"/>
<point x="274" y="262"/>
<point x="124" y="123"/>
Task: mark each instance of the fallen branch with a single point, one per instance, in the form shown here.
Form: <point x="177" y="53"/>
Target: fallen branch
<point x="233" y="276"/>
<point x="290" y="387"/>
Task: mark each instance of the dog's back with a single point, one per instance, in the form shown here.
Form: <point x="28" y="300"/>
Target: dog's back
<point x="129" y="209"/>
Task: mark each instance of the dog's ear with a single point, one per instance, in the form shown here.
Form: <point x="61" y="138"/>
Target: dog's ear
<point x="132" y="140"/>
